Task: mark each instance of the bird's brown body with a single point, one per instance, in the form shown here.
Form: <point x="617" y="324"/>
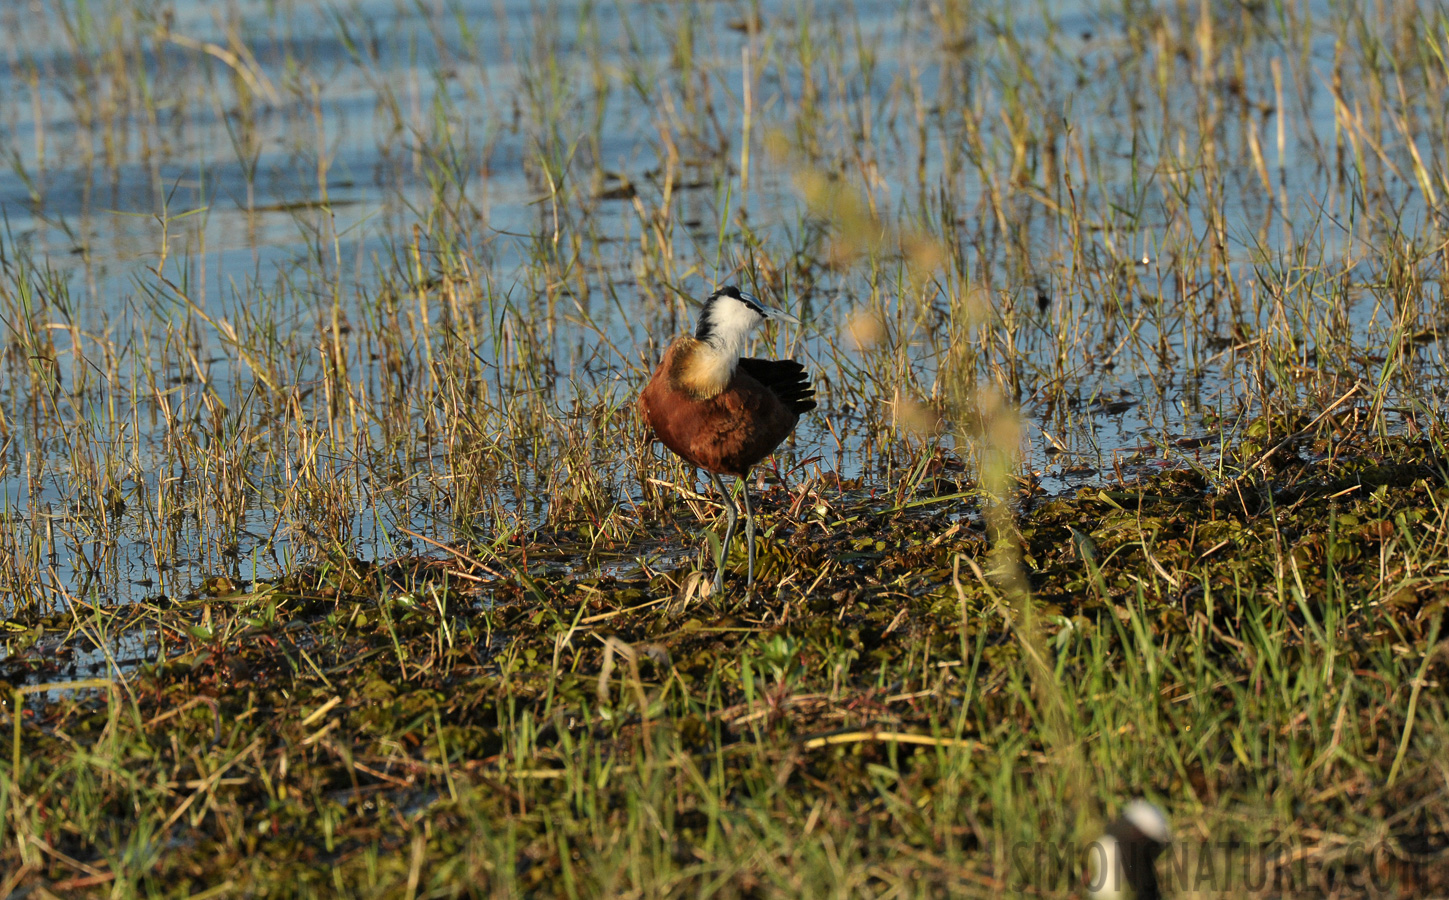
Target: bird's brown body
<point x="722" y="422"/>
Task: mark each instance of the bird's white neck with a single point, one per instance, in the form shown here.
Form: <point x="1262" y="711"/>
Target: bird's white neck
<point x="727" y="345"/>
<point x="719" y="341"/>
<point x="724" y="327"/>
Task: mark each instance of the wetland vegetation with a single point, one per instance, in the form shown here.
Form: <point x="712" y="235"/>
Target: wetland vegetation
<point x="334" y="560"/>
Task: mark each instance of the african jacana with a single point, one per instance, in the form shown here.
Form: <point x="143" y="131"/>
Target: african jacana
<point x="1123" y="858"/>
<point x="722" y="412"/>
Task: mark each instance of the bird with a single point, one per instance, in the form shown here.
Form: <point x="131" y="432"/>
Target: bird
<point x="724" y="412"/>
<point x="1123" y="857"/>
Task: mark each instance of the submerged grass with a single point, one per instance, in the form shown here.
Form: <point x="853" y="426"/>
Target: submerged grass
<point x="302" y="325"/>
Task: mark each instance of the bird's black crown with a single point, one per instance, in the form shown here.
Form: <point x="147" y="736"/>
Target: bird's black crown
<point x="735" y="293"/>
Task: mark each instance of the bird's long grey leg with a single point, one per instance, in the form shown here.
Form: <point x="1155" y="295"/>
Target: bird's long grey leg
<point x="732" y="516"/>
<point x="749" y="533"/>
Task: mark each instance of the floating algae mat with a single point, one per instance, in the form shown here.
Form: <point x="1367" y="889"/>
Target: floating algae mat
<point x="873" y="719"/>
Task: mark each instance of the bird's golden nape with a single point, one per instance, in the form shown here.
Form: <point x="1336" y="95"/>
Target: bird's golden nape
<point x="724" y="412"/>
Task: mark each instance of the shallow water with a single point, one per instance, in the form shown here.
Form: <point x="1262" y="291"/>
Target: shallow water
<point x="284" y="154"/>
